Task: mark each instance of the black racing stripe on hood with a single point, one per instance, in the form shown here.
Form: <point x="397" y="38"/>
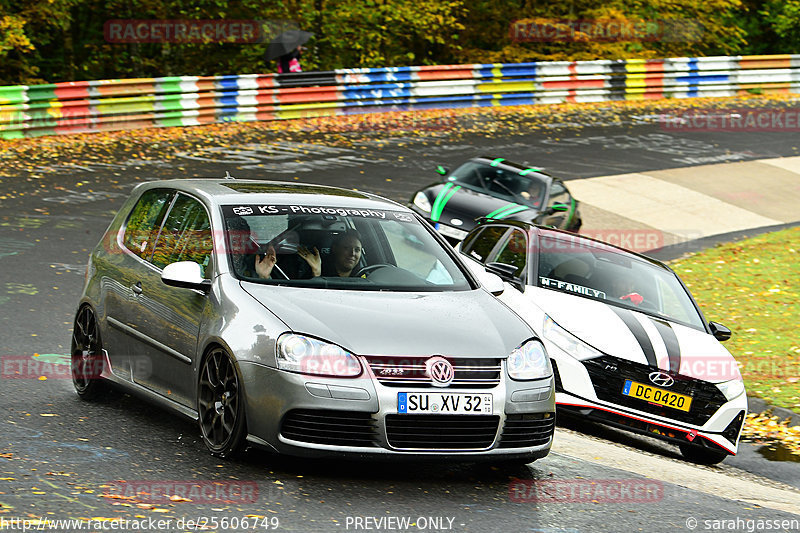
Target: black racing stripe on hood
<point x="671" y="342"/>
<point x="639" y="333"/>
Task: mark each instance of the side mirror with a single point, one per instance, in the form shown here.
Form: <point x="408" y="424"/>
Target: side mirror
<point x="507" y="273"/>
<point x="442" y="171"/>
<point x="489" y="281"/>
<point x="557" y="208"/>
<point x="186" y="275"/>
<point x="720" y="332"/>
<point x="492" y="283"/>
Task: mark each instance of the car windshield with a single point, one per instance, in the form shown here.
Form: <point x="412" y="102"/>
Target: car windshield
<point x="591" y="270"/>
<point x="524" y="187"/>
<point x="340" y="248"/>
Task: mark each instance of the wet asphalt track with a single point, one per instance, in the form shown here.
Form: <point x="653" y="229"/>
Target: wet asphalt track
<point x="60" y="455"/>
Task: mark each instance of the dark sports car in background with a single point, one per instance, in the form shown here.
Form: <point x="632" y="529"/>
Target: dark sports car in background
<point x="498" y="189"/>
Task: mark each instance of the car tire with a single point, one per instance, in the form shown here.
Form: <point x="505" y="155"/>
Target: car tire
<point x="86" y="356"/>
<point x="220" y="405"/>
<point x="700" y="455"/>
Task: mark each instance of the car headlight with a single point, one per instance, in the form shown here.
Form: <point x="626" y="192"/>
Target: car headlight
<point x="298" y="353"/>
<point x="567" y="341"/>
<point x="529" y="361"/>
<point x="731" y="389"/>
<point x="421" y="201"/>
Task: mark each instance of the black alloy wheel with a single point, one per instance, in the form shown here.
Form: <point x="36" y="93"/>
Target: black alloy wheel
<point x="220" y="405"/>
<point x="86" y="359"/>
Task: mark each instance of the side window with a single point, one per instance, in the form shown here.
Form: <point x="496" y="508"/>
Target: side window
<point x="144" y="221"/>
<point x="558" y="194"/>
<point x="481" y="245"/>
<point x="514" y="252"/>
<point x="185" y="235"/>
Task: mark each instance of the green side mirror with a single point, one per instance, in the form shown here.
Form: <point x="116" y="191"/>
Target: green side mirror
<point x="442" y="171"/>
<point x="559" y="208"/>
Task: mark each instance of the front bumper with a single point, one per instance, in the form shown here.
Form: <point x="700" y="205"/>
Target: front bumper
<point x="314" y="416"/>
<point x="576" y="393"/>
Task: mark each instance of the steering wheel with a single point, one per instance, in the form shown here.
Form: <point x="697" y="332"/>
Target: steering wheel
<point x="370" y="268"/>
<point x="505" y="187"/>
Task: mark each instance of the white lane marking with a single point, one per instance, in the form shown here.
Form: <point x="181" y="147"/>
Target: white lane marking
<point x="792" y="164"/>
<point x="665" y="206"/>
<point x="682" y="474"/>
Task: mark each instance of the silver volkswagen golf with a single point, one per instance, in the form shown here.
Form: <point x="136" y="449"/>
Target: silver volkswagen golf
<point x="308" y="320"/>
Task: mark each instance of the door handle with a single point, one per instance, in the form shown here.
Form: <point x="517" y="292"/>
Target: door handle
<point x="137" y="288"/>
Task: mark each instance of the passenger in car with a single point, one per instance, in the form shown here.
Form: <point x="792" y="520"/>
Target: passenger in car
<point x="346" y="251"/>
<point x="247" y="260"/>
<point x="534" y="192"/>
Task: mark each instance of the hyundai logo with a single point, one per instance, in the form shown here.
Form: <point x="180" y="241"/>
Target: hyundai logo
<point x="440" y="371"/>
<point x="662" y="379"/>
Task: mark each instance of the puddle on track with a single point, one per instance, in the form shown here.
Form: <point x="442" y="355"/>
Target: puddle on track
<point x="778" y="452"/>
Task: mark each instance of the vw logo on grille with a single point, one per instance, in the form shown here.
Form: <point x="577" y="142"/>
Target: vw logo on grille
<point x="662" y="379"/>
<point x="440" y="371"/>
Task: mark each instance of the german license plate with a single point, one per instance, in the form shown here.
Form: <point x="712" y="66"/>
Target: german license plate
<point x="444" y="403"/>
<point x="448" y="231"/>
<point x="656" y="395"/>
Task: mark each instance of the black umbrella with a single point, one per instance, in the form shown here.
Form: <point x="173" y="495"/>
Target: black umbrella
<point x="286" y="42"/>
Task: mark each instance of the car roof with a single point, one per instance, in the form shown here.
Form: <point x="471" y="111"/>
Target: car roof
<point x="505" y="164"/>
<point x="222" y="191"/>
<point x="554" y="232"/>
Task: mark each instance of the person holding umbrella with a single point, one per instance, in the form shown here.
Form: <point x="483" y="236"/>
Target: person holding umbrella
<point x="287" y="47"/>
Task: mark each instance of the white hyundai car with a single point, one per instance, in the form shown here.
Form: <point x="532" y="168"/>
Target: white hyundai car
<point x="629" y="345"/>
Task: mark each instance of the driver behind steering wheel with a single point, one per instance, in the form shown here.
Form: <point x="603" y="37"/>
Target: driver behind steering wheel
<point x="346" y="253"/>
<point x="623" y="288"/>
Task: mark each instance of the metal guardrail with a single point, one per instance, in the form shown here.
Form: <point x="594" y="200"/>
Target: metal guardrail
<point x="92" y="106"/>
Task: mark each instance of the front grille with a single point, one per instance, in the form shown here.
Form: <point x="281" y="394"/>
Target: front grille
<point x="410" y="371"/>
<point x="608" y="375"/>
<point x="451" y="432"/>
<point x="521" y="431"/>
<point x="337" y="428"/>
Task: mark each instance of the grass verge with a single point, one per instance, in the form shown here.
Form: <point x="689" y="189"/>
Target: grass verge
<point x="753" y="287"/>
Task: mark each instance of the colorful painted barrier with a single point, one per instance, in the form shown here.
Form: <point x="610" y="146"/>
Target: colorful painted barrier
<point x="91" y="106"/>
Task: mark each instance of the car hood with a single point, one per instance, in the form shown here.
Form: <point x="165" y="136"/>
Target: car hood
<point x="459" y="324"/>
<point x="630" y="334"/>
<point x="466" y="205"/>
